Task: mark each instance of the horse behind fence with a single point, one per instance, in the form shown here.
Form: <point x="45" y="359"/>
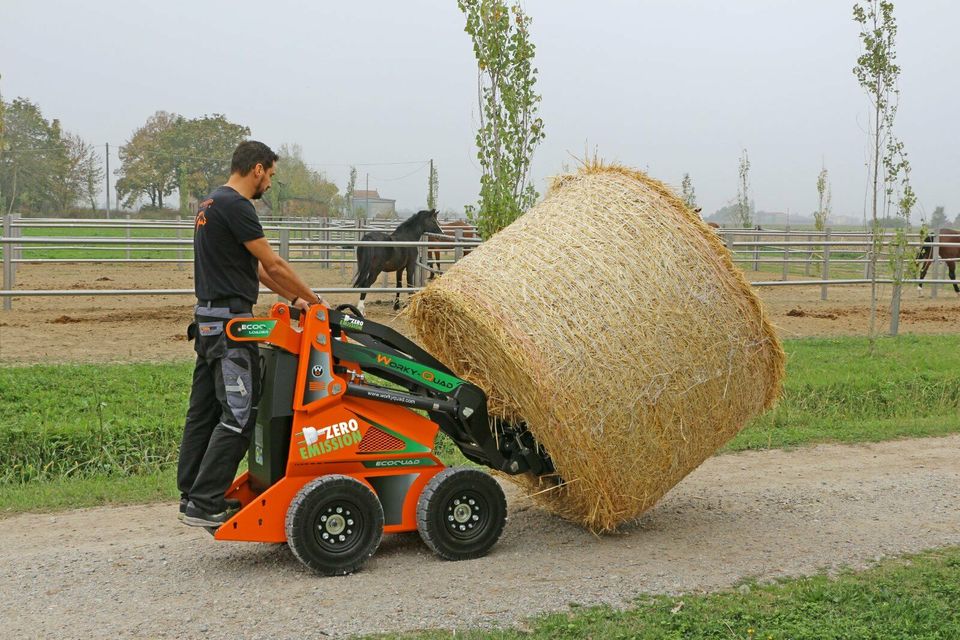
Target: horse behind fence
<point x="949" y="254"/>
<point x="467" y="232"/>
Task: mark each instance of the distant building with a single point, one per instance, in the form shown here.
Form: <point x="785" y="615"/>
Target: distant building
<point x="370" y="205"/>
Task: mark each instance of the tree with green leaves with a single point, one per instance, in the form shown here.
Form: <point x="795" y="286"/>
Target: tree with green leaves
<point x="509" y="125"/>
<point x="203" y="148"/>
<point x="744" y="206"/>
<point x="299" y="190"/>
<point x="148" y="162"/>
<point x="433" y="184"/>
<point x="878" y="74"/>
<point x="687" y="192"/>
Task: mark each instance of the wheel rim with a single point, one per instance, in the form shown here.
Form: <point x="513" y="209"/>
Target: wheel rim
<point x="466" y="515"/>
<point x="338" y="526"/>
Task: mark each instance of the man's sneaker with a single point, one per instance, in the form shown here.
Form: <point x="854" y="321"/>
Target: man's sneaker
<point x="231" y="504"/>
<point x="194" y="517"/>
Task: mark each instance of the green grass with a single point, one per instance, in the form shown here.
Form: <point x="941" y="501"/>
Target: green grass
<point x="124" y="421"/>
<point x="916" y="597"/>
<point x="96" y="491"/>
<point x="836" y="392"/>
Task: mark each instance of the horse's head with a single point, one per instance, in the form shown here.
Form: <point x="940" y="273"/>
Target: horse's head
<point x="429" y="221"/>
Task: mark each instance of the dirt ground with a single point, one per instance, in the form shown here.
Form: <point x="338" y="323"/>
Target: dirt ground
<point x="134" y="572"/>
<point x="151" y="328"/>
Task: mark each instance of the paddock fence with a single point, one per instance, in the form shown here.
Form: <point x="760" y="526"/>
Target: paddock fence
<point x="779" y="257"/>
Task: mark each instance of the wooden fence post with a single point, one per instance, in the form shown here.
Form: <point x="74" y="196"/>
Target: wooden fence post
<point x="897" y="289"/>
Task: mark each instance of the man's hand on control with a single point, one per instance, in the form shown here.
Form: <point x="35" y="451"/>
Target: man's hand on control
<point x="304" y="305"/>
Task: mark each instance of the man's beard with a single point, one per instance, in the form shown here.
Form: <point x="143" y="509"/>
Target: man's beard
<point x="259" y="192"/>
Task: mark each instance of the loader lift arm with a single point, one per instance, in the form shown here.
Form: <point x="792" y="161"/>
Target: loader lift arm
<point x="457" y="406"/>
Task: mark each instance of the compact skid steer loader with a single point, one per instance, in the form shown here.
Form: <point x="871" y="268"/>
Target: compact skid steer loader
<point x="336" y="460"/>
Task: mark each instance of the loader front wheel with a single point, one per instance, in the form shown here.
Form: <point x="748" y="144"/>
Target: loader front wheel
<point x="461" y="513"/>
<point x="334" y="524"/>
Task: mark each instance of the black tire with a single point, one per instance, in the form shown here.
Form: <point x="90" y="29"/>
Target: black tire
<point x="334" y="524"/>
<point x="461" y="513"/>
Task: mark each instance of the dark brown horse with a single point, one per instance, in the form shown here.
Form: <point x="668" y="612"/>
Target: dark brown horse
<point x="371" y="261"/>
<point x="949" y="254"/>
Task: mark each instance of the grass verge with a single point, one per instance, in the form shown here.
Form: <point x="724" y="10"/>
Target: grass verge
<point x="914" y="597"/>
<point x="118" y="423"/>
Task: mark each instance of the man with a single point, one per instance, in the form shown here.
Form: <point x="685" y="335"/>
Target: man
<point x="231" y="258"/>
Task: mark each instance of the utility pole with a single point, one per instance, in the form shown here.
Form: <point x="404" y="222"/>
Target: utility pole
<point x="108" y="180"/>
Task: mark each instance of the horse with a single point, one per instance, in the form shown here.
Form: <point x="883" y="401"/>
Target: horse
<point x="371" y="261"/>
<point x="949" y="254"/>
<point x="450" y="229"/>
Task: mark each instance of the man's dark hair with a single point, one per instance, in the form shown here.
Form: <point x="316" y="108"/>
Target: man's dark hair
<point x="249" y="154"/>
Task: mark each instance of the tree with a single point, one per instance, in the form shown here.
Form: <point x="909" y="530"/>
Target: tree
<point x="744" y="206"/>
<point x="148" y="163"/>
<point x="878" y="73"/>
<point x="203" y="148"/>
<point x="299" y="190"/>
<point x="433" y="184"/>
<point x="32" y="158"/>
<point x="688" y="194"/>
<point x="76" y="172"/>
<point x="822" y="214"/>
<point x="348" y="192"/>
<point x="509" y="126"/>
<point x="938" y="219"/>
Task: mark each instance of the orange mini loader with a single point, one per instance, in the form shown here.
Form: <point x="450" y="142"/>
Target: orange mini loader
<point x="337" y="460"/>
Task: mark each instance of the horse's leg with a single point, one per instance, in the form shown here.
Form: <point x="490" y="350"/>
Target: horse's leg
<point x="396" y="300"/>
<point x="923" y="274"/>
<point x="952" y="267"/>
<point x="435" y="261"/>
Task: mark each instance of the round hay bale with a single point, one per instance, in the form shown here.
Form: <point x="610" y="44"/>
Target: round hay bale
<point x="612" y="321"/>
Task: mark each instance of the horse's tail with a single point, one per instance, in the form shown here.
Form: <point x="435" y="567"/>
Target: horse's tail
<point x="364" y="266"/>
<point x="926" y="250"/>
<point x="365" y="257"/>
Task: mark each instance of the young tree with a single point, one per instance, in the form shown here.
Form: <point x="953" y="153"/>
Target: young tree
<point x="822" y="214"/>
<point x="348" y="192"/>
<point x="878" y="73"/>
<point x="433" y="184"/>
<point x="687" y="193"/>
<point x="509" y="128"/>
<point x="744" y="207"/>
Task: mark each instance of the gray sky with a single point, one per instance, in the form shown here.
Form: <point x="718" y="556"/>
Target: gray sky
<point x="668" y="86"/>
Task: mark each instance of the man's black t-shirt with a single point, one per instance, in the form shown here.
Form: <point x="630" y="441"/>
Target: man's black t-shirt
<point x="222" y="266"/>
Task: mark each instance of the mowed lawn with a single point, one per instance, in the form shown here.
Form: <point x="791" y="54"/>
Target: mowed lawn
<point x="79" y="435"/>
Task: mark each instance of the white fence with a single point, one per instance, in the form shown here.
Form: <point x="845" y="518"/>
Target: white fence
<point x="798" y="257"/>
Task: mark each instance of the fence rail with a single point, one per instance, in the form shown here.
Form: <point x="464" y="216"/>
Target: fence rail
<point x="833" y="258"/>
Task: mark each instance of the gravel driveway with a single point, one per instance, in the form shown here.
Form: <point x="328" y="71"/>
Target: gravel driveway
<point x="136" y="572"/>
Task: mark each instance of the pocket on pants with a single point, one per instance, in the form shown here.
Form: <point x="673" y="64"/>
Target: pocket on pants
<point x="238" y="384"/>
<point x="211" y="342"/>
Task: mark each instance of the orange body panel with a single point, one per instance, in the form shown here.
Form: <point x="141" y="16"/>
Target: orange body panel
<point x="387" y="447"/>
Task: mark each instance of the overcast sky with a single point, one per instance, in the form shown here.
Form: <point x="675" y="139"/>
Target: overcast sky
<point x="669" y="86"/>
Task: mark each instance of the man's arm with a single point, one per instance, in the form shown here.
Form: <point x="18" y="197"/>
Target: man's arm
<point x="271" y="284"/>
<point x="279" y="276"/>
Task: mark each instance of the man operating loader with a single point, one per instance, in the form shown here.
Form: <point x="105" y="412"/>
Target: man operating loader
<point x="231" y="258"/>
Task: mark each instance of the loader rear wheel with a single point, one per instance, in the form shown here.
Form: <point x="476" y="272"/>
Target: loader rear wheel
<point x="461" y="513"/>
<point x="334" y="524"/>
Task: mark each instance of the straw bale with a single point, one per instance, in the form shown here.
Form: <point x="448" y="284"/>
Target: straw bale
<point x="611" y="320"/>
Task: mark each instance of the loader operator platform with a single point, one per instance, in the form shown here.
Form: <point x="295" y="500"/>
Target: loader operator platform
<point x="231" y="259"/>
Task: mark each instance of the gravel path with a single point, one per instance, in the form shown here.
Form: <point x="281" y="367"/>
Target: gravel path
<point x="136" y="572"/>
